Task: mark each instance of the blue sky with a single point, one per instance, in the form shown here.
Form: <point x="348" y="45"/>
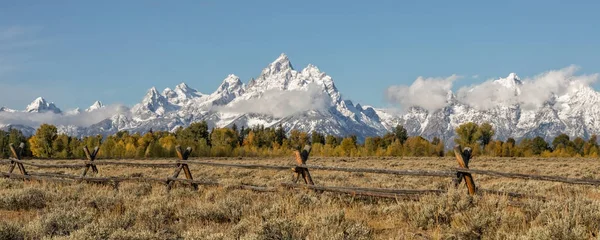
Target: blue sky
<point x="76" y="52"/>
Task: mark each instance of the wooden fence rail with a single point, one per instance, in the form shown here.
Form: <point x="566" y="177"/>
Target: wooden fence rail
<point x="301" y="171"/>
<point x="530" y="176"/>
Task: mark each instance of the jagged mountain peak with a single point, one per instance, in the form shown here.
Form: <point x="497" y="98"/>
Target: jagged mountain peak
<point x="312" y="69"/>
<point x="514" y="76"/>
<point x="231" y="83"/>
<point x="169" y="93"/>
<point x="284" y="59"/>
<point x="153" y="102"/>
<point x="511" y="81"/>
<point x="232" y="79"/>
<point x="152" y="92"/>
<point x="185" y="92"/>
<point x="182" y="86"/>
<point x="574" y="112"/>
<point x="40" y="105"/>
<point x="184" y="89"/>
<point x="281" y="65"/>
<point x="97" y="105"/>
<point x="231" y="88"/>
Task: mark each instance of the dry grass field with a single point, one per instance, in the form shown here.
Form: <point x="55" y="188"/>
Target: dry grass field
<point x="44" y="210"/>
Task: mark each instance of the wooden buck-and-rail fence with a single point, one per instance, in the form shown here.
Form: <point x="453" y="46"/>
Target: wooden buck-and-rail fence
<point x="300" y="171"/>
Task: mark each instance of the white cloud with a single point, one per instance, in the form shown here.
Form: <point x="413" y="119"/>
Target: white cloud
<point x="428" y="93"/>
<point x="531" y="94"/>
<point x="539" y="89"/>
<point x="487" y="95"/>
<point x="282" y="103"/>
<point x="83" y="119"/>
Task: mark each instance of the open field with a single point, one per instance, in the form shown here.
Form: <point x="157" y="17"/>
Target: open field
<point x="36" y="210"/>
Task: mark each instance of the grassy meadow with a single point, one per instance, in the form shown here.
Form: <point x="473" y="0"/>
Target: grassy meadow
<point x="46" y="210"/>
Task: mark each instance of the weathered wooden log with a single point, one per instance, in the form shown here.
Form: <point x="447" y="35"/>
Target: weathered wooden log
<point x="17" y="155"/>
<point x="236" y="165"/>
<point x="531" y="176"/>
<point x="90" y="157"/>
<point x="301" y="158"/>
<point x="28" y="163"/>
<point x="192" y="181"/>
<point x="174" y="177"/>
<point x="463" y="157"/>
<point x="100" y="179"/>
<point x="395" y="191"/>
<point x="133" y="164"/>
<point x="183" y="156"/>
<point x="424" y="173"/>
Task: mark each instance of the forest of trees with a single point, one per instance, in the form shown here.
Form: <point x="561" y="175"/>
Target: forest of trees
<point x="268" y="142"/>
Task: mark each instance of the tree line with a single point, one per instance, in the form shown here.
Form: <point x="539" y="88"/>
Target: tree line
<point x="260" y="141"/>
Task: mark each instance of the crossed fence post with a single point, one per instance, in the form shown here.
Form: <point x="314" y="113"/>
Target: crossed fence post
<point x="463" y="156"/>
<point x="181" y="165"/>
<point x="17" y="156"/>
<point x="301" y="158"/>
<point x="90" y="157"/>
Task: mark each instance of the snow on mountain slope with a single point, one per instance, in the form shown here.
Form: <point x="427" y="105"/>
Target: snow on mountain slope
<point x="308" y="100"/>
<point x="40" y="105"/>
<point x="97" y="105"/>
<point x="576" y="113"/>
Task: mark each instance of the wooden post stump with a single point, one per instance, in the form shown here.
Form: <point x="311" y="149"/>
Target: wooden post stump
<point x="301" y="158"/>
<point x="17" y="155"/>
<point x="463" y="157"/>
<point x="90" y="157"/>
<point x="183" y="156"/>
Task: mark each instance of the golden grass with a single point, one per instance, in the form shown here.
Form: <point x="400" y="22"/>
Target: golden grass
<point x="37" y="210"/>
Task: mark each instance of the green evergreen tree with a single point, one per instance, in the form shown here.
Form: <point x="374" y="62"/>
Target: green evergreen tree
<point x="486" y="132"/>
<point x="400" y="133"/>
<point x="561" y="140"/>
<point x="539" y="145"/>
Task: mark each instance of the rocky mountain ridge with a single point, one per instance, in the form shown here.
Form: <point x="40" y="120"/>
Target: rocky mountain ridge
<point x="308" y="100"/>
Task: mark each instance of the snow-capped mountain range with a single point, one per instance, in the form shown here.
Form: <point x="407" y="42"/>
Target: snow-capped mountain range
<point x="308" y="100"/>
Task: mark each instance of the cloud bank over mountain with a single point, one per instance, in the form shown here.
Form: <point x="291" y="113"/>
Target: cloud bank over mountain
<point x="547" y="104"/>
<point x="281" y="103"/>
<point x="428" y="93"/>
<point x="70" y="118"/>
<point x="530" y="93"/>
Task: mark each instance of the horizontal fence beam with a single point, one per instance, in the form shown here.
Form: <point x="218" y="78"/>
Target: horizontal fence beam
<point x="28" y="163"/>
<point x="451" y="173"/>
<point x="390" y="190"/>
<point x="124" y="179"/>
<point x="384" y="171"/>
<point x="131" y="164"/>
<point x="531" y="176"/>
<point x="249" y="166"/>
<point x="373" y="192"/>
<point x="327" y="168"/>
